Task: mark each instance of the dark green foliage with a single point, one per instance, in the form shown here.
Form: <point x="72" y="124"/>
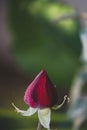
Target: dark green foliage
<point x="40" y="44"/>
<point x="12" y="121"/>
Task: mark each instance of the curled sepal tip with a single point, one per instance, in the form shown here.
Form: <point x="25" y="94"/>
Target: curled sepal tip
<point x="59" y="106"/>
<point x="30" y="111"/>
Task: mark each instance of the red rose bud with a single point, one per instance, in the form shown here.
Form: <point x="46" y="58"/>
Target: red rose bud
<point x="41" y="93"/>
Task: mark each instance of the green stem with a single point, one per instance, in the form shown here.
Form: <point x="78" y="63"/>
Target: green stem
<point x="39" y="126"/>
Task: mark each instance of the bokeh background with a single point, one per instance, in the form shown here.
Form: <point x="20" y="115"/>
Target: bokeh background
<point x="30" y="40"/>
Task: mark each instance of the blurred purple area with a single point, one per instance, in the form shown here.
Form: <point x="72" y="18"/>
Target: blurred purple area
<point x="79" y="5"/>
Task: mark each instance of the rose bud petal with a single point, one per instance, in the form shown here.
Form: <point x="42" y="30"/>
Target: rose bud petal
<point x="41" y="92"/>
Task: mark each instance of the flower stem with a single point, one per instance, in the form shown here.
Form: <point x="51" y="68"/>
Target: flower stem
<point x="39" y="127"/>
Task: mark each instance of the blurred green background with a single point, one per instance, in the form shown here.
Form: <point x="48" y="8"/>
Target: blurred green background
<point x="37" y="43"/>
